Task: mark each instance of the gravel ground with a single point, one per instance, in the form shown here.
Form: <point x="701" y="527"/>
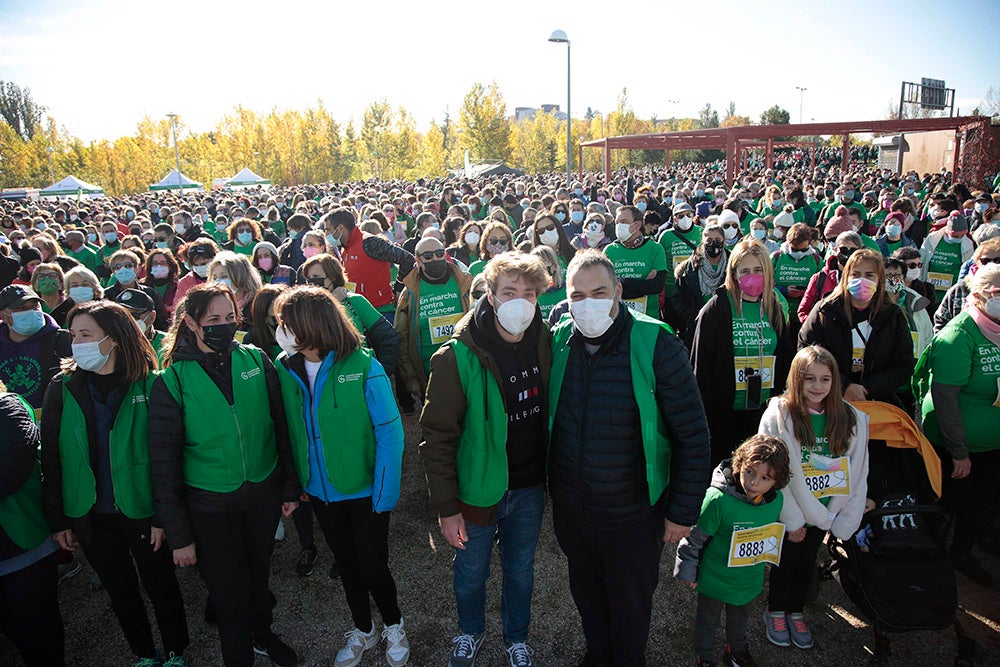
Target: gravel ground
<point x="312" y="616"/>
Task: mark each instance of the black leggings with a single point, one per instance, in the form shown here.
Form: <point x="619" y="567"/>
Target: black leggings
<point x="789" y="582"/>
<point x="969" y="499"/>
<point x="29" y="612"/>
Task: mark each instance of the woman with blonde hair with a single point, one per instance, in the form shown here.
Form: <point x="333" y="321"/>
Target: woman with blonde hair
<point x="741" y="349"/>
<point x="497" y="239"/>
<point x="236" y="272"/>
<point x="556" y="291"/>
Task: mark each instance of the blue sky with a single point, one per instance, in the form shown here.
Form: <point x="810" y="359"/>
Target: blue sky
<point x="101" y="65"/>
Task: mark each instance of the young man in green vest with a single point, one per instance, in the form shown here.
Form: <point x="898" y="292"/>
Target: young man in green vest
<point x="434" y="299"/>
<point x="484" y="427"/>
<point x="629" y="457"/>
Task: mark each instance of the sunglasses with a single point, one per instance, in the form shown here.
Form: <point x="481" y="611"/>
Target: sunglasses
<point x="983" y="261"/>
<point x="542" y="230"/>
<point x="431" y="254"/>
<point x="914" y="265"/>
<point x="128" y="265"/>
<point x="498" y="242"/>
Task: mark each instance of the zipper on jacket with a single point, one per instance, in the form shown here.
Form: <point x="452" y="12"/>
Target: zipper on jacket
<point x="580" y="482"/>
<point x="239" y="435"/>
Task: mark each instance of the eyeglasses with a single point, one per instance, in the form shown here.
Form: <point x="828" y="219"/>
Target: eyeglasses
<point x="730" y="226"/>
<point x="431" y="254"/>
<point x="542" y="230"/>
<point x="914" y="265"/>
<point x="497" y="242"/>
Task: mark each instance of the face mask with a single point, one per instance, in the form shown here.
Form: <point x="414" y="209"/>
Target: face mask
<point x="549" y="237"/>
<point x="713" y="249"/>
<point x="678" y="200"/>
<point x="729" y="233"/>
<point x="310" y="251"/>
<point x="265" y="263"/>
<point x="592" y="317"/>
<point x="472" y="238"/>
<point x="88" y="355"/>
<point x="862" y="289"/>
<point x="497" y="248"/>
<point x="932" y="211"/>
<point x="244" y="238"/>
<point x="516" y="315"/>
<point x="848" y="195"/>
<point x="125" y="276"/>
<point x="27" y="322"/>
<point x="601" y="199"/>
<point x="111" y="237"/>
<point x="893" y="231"/>
<point x="161" y="245"/>
<point x="894" y="286"/>
<point x="912" y="274"/>
<point x="332" y="241"/>
<point x="218" y="336"/>
<point x="293" y="234"/>
<point x="777" y="202"/>
<point x="838" y="198"/>
<point x="779" y="232"/>
<point x="180" y="228"/>
<point x="41" y="226"/>
<point x="752" y="284"/>
<point x="699" y="192"/>
<point x="47" y="285"/>
<point x="81" y="294"/>
<point x="91" y="238"/>
<point x="435" y="269"/>
<point x="225" y="281"/>
<point x="286" y="340"/>
<point x="159" y="271"/>
<point x="200" y="271"/>
<point x="594" y="233"/>
<point x="951" y="239"/>
<point x="641" y="205"/>
<point x="576" y="216"/>
<point x="143" y="327"/>
<point x="623" y="231"/>
<point x="578" y="191"/>
<point x="993" y="308"/>
<point x="719" y="201"/>
<point x="560" y="216"/>
<point x="799" y="254"/>
<point x="981" y="207"/>
<point x="759" y="234"/>
<point x="685" y="223"/>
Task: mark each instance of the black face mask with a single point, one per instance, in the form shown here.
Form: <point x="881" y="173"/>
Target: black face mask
<point x="318" y="282"/>
<point x="435" y="269"/>
<point x="713" y="250"/>
<point x="844" y="254"/>
<point x="218" y="336"/>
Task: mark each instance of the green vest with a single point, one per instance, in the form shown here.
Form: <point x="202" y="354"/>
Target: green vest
<point x="642" y="343"/>
<point x="345" y="430"/>
<point x="227" y="445"/>
<point x="129" y="439"/>
<point x="481" y="456"/>
<point x="21" y="513"/>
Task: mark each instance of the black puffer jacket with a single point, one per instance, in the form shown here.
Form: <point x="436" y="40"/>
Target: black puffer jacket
<point x="597" y="469"/>
<point x="18" y="455"/>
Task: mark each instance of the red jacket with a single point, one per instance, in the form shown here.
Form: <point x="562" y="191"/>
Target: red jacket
<point x="370" y="276"/>
<point x="820" y="285"/>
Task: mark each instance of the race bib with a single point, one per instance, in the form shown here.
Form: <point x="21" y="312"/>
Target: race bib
<point x="443" y="326"/>
<point x="756" y="545"/>
<point x="826" y="476"/>
<point x="240" y="336"/>
<point x="858" y="360"/>
<point x="764" y="365"/>
<point x="680" y="259"/>
<point x="916" y="338"/>
<point x="351" y="287"/>
<point x="637" y="305"/>
<point x="941" y="281"/>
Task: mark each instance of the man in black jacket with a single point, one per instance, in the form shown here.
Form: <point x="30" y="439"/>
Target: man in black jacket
<point x="628" y="459"/>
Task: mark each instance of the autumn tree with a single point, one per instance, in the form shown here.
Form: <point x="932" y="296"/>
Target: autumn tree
<point x="485" y="129"/>
<point x="19" y="110"/>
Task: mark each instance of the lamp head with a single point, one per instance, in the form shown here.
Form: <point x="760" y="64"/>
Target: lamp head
<point x="559" y="36"/>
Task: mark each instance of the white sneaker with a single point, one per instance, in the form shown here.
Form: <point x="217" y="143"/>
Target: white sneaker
<point x="519" y="655"/>
<point x="279" y="532"/>
<point x="397" y="648"/>
<point x="357" y="643"/>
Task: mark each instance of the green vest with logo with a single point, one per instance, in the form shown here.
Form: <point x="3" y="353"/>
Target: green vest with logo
<point x="131" y="478"/>
<point x="642" y="343"/>
<point x="345" y="429"/>
<point x="227" y="445"/>
<point x="481" y="457"/>
<point x="21" y="513"/>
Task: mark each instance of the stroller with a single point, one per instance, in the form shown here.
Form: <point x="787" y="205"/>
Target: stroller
<point x="896" y="567"/>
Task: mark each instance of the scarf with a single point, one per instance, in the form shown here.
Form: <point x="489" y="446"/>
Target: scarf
<point x="987" y="327"/>
<point x="710" y="277"/>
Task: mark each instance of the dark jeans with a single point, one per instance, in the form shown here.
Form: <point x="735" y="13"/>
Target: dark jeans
<point x="729" y="428"/>
<point x="969" y="499"/>
<point x="706" y="622"/>
<point x="29" y="612"/>
<point x="303" y="519"/>
<point x="115" y="547"/>
<point x="612" y="576"/>
<point x="359" y="540"/>
<point x="788" y="584"/>
<point x="234" y="556"/>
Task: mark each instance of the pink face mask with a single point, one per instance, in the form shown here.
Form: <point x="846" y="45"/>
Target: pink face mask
<point x="752" y="284"/>
<point x="265" y="263"/>
<point x="310" y="251"/>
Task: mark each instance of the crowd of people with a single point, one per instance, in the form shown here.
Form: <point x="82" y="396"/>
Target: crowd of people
<point x="668" y="357"/>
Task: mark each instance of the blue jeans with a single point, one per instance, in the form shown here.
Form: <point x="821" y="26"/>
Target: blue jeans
<point x="516" y="527"/>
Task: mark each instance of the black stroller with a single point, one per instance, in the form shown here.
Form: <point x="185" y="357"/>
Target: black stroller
<point x="896" y="568"/>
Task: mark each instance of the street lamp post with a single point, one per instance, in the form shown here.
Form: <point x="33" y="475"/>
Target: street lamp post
<point x="673" y="108"/>
<point x="559" y="37"/>
<point x="52" y="172"/>
<point x="802" y="94"/>
<point x="177" y="154"/>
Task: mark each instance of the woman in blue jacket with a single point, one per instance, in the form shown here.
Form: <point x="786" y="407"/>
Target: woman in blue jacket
<point x="350" y="468"/>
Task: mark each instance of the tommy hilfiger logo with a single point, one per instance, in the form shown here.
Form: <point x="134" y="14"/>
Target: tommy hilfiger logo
<point x="528" y="393"/>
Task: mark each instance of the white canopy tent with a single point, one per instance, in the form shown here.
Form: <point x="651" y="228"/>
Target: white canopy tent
<point x="175" y="180"/>
<point x="245" y="178"/>
<point x="71" y="186"/>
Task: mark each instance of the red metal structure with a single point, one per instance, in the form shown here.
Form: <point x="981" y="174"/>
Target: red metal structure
<point x="735" y="141"/>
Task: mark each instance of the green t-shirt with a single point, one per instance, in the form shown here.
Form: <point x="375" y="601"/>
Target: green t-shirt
<point x="86" y="256"/>
<point x="547" y="300"/>
<point x="869" y="243"/>
<point x="961" y="356"/>
<point x="243" y="249"/>
<point x="678" y="246"/>
<point x="477" y="267"/>
<point x="791" y="272"/>
<point x="439" y="308"/>
<point x="942" y="270"/>
<point x="722" y="515"/>
<point x="362" y="313"/>
<point x="745" y="223"/>
<point x="637" y="263"/>
<point x="821" y="446"/>
<point x="754" y="343"/>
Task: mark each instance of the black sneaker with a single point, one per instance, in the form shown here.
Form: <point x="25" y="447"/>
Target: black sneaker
<point x="740" y="659"/>
<point x="278" y="652"/>
<point x="210" y="618"/>
<point x="307" y="558"/>
<point x="334" y="571"/>
<point x="971" y="568"/>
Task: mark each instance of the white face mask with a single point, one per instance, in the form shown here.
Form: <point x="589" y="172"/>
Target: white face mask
<point x="592" y="317"/>
<point x="912" y="274"/>
<point x="143" y="327"/>
<point x="549" y="237"/>
<point x="623" y="231"/>
<point x="992" y="308"/>
<point x="88" y="356"/>
<point x="684" y="223"/>
<point x="472" y="238"/>
<point x="516" y="315"/>
<point x="729" y="233"/>
<point x="286" y="340"/>
<point x="200" y="271"/>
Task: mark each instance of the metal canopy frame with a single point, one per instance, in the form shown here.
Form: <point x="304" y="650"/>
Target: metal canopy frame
<point x="735" y="141"/>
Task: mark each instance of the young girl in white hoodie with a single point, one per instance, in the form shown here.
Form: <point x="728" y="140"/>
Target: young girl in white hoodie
<point x="827" y="440"/>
